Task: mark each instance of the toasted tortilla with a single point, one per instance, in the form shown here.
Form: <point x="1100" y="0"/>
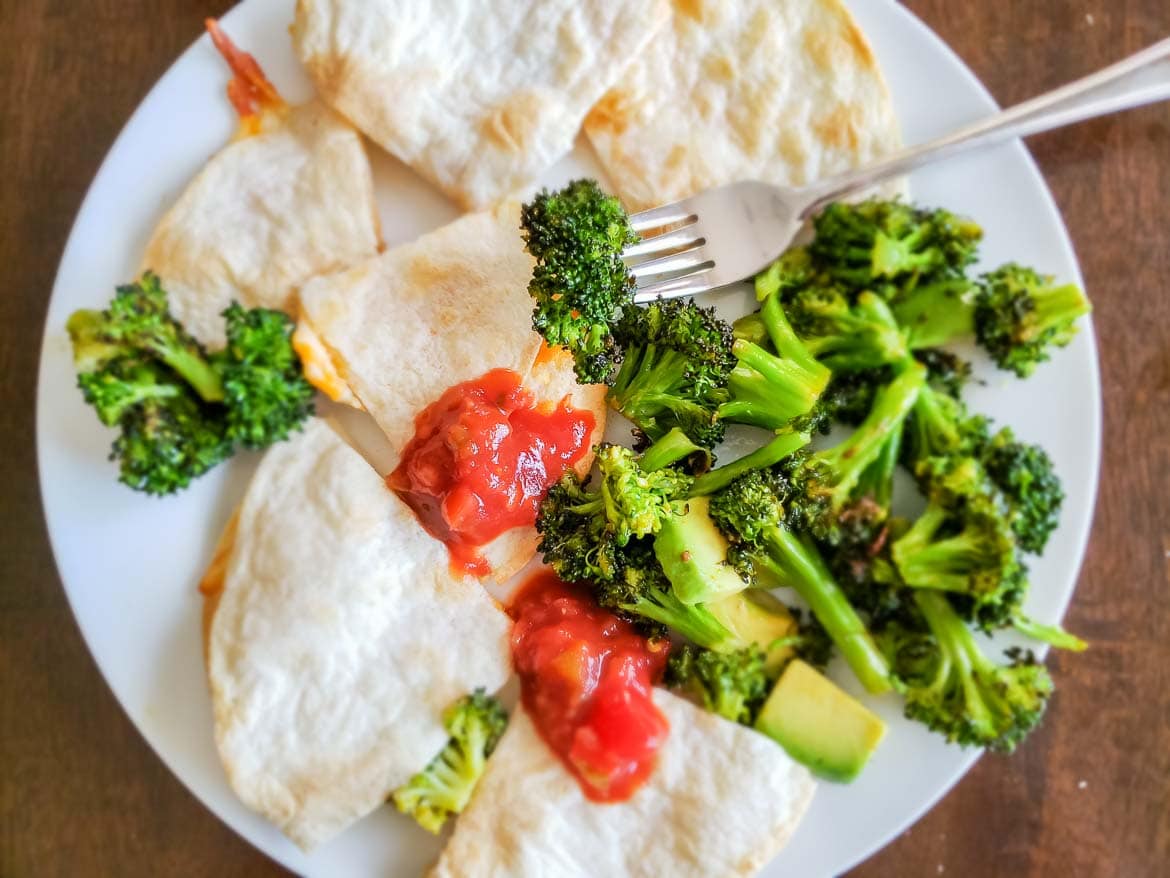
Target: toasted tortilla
<point x="336" y="640"/>
<point x="480" y="98"/>
<point x="404" y="326"/>
<point x="784" y="91"/>
<point x="723" y="800"/>
<point x="291" y="197"/>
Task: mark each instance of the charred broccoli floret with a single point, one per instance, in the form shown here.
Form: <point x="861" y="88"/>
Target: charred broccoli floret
<point x="180" y="411"/>
<point x="675" y="364"/>
<point x="730" y="684"/>
<point x="580" y="285"/>
<point x="1021" y="315"/>
<point x="847" y="335"/>
<point x="1029" y="486"/>
<point x="874" y="243"/>
<point x="953" y="688"/>
<point x="475" y="723"/>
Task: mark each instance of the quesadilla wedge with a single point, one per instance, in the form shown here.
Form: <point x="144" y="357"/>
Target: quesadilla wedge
<point x="336" y="639"/>
<point x="784" y="91"/>
<point x="479" y="98"/>
<point x="723" y="800"/>
<point x="404" y="326"/>
<point x="290" y="197"/>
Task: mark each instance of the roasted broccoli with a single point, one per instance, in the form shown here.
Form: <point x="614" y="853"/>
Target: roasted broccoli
<point x="751" y="515"/>
<point x="676" y="358"/>
<point x="731" y="684"/>
<point x="962" y="543"/>
<point x="580" y="285"/>
<point x="1020" y="315"/>
<point x="1029" y="486"/>
<point x="874" y="243"/>
<point x="844" y="334"/>
<point x="265" y="392"/>
<point x="939" y="425"/>
<point x="770" y="389"/>
<point x="475" y="723"/>
<point x="827" y="496"/>
<point x="181" y="410"/>
<point x="956" y="690"/>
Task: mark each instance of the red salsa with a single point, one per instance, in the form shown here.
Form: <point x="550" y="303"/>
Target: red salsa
<point x="586" y="678"/>
<point x="482" y="457"/>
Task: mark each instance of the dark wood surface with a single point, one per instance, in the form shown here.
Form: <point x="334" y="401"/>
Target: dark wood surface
<point x="1088" y="795"/>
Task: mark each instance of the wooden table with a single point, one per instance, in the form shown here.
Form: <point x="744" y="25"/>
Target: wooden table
<point x="1088" y="795"/>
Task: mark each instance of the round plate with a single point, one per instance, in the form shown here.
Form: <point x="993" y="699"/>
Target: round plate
<point x="130" y="563"/>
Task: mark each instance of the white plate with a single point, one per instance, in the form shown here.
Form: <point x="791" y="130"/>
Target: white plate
<point x="130" y="563"/>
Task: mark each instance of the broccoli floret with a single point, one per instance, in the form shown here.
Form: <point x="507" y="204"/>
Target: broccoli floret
<point x="956" y="690"/>
<point x="812" y="643"/>
<point x="640" y="592"/>
<point x="582" y="531"/>
<point x="1029" y="485"/>
<point x="789" y="274"/>
<point x="475" y="723"/>
<point x="826" y="496"/>
<point x="962" y="543"/>
<point x="165" y="442"/>
<point x="580" y="285"/>
<point x="751" y="515"/>
<point x="863" y="245"/>
<point x="782" y="447"/>
<point x="265" y="391"/>
<point x="1021" y="315"/>
<point x="939" y="425"/>
<point x="180" y="410"/>
<point x="138" y="323"/>
<point x="770" y="389"/>
<point x="847" y="335"/>
<point x="937" y="313"/>
<point x="733" y="685"/>
<point x="675" y="363"/>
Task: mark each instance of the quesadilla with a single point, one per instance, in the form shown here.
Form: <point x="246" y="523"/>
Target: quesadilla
<point x="479" y="98"/>
<point x="336" y="638"/>
<point x="723" y="800"/>
<point x="784" y="91"/>
<point x="290" y="197"/>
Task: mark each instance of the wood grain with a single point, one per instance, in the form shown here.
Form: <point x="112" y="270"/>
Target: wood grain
<point x="1088" y="795"/>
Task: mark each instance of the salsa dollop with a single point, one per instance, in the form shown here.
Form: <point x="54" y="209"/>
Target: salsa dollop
<point x="482" y="457"/>
<point x="586" y="678"/>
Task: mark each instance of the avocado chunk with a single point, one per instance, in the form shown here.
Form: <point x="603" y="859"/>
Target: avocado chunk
<point x="693" y="554"/>
<point x="819" y="724"/>
<point x="756" y="617"/>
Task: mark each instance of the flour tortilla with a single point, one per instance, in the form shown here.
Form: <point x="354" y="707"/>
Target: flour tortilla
<point x="784" y="91"/>
<point x="338" y="638"/>
<point x="723" y="801"/>
<point x="480" y="98"/>
<point x="264" y="215"/>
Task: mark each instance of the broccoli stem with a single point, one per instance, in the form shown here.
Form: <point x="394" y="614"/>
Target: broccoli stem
<point x="800" y="565"/>
<point x="877" y="480"/>
<point x="1053" y="635"/>
<point x="938" y="313"/>
<point x="669" y="450"/>
<point x="195" y="370"/>
<point x="958" y="645"/>
<point x="1055" y="307"/>
<point x="784" y="445"/>
<point x="751" y="328"/>
<point x="868" y="337"/>
<point x="693" y="622"/>
<point x="849" y="459"/>
<point x="789" y="346"/>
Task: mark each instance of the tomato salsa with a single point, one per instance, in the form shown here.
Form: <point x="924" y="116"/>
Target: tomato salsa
<point x="586" y="678"/>
<point x="481" y="459"/>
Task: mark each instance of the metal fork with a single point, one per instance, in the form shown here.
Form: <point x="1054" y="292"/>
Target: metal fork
<point x="730" y="233"/>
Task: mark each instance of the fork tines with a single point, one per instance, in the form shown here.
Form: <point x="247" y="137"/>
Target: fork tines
<point x="672" y="262"/>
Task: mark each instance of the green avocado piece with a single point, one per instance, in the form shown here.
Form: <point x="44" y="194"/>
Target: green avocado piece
<point x="756" y="617"/>
<point x="693" y="554"/>
<point x="819" y="724"/>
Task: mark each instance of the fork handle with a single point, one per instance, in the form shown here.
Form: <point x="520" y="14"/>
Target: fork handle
<point x="1140" y="79"/>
